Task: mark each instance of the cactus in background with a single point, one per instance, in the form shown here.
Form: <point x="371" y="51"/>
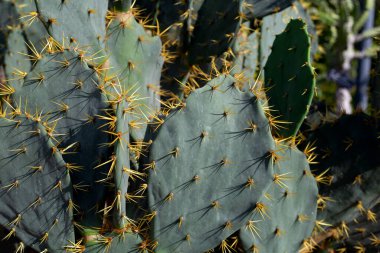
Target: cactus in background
<point x="115" y="243"/>
<point x="8" y="18"/>
<point x="376" y="85"/>
<point x="260" y="9"/>
<point x="200" y="32"/>
<point x="364" y="233"/>
<point x="214" y="30"/>
<point x="344" y="49"/>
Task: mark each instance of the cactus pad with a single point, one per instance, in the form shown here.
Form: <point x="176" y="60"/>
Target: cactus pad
<point x="63" y="89"/>
<point x="135" y="58"/>
<point x="348" y="165"/>
<point x="217" y="23"/>
<point x="289" y="78"/>
<point x="276" y="24"/>
<point x="208" y="160"/>
<point x="35" y="187"/>
<point x="292" y="207"/>
<point x="78" y="23"/>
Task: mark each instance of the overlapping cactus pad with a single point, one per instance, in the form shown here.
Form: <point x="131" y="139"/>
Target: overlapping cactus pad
<point x="64" y="90"/>
<point x="209" y="159"/>
<point x="289" y="77"/>
<point x="291" y="207"/>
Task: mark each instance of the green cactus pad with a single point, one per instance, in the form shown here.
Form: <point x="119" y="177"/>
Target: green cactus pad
<point x="80" y="24"/>
<point x="135" y="59"/>
<point x="35" y="187"/>
<point x="289" y="77"/>
<point x="292" y="207"/>
<point x="202" y="163"/>
<point x="350" y="199"/>
<point x="63" y="89"/>
<point x="276" y="23"/>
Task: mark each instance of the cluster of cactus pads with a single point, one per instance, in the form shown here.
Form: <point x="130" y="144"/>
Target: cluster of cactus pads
<point x="139" y="127"/>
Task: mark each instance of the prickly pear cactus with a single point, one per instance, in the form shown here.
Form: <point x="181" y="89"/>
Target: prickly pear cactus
<point x="198" y="31"/>
<point x="346" y="167"/>
<point x="34" y="29"/>
<point x="122" y="163"/>
<point x="8" y="18"/>
<point x="289" y="78"/>
<point x="214" y="29"/>
<point x="364" y="233"/>
<point x="83" y="85"/>
<point x="16" y="61"/>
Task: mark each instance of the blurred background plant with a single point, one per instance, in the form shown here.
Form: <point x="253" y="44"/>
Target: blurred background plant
<point x="346" y="29"/>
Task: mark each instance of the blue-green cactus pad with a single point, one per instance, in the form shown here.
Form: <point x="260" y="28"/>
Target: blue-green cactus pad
<point x="201" y="162"/>
<point x="79" y="23"/>
<point x="35" y="187"/>
<point x="292" y="207"/>
<point x="135" y="59"/>
<point x="64" y="90"/>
